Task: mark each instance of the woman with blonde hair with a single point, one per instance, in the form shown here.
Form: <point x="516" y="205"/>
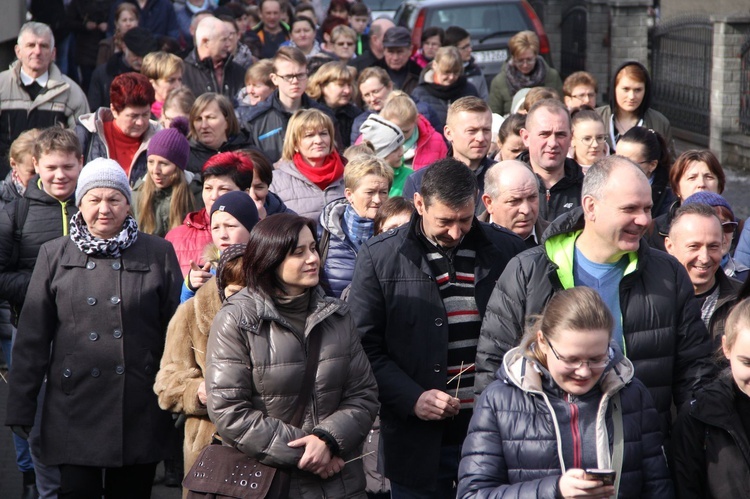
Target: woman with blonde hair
<point x="525" y="69"/>
<point x="565" y="402"/>
<point x="333" y="85"/>
<point x="179" y="102"/>
<point x="443" y="82"/>
<point x="127" y="17"/>
<point x="347" y="223"/>
<point x="166" y="194"/>
<point x="164" y="71"/>
<point x="310" y="172"/>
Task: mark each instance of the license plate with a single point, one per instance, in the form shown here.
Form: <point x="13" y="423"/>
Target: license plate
<point x="490" y="56"/>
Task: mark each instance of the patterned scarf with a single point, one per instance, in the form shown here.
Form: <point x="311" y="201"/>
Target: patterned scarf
<point x="92" y="245"/>
<point x="357" y="228"/>
<point x="517" y="80"/>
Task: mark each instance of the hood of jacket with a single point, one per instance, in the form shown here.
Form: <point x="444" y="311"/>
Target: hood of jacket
<point x="331" y="217"/>
<point x="646" y="104"/>
<point x="8" y="190"/>
<point x="197" y="219"/>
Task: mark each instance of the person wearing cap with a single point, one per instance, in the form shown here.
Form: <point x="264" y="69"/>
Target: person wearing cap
<point x="94" y="324"/>
<point x="137" y="43"/>
<point x="209" y="67"/>
<point x="167" y="193"/>
<point x="122" y="130"/>
<point x="697" y="240"/>
<point x="387" y="140"/>
<point x="180" y="383"/>
<point x="233" y="216"/>
<point x="22" y="104"/>
<point x="404" y="72"/>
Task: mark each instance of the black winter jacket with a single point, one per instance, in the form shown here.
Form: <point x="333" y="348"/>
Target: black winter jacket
<point x="200" y="153"/>
<point x="200" y="78"/>
<point x="514" y="441"/>
<point x="101" y="80"/>
<point x="267" y="122"/>
<point x="46" y="219"/>
<point x="8" y="193"/>
<point x="397" y="307"/>
<point x="664" y="335"/>
<point x="710" y="448"/>
<point x="564" y="195"/>
<point x="440" y="97"/>
<point x="345" y="116"/>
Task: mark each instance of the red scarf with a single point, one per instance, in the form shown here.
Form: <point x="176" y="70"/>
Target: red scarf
<point x="324" y="175"/>
<point x="121" y="147"/>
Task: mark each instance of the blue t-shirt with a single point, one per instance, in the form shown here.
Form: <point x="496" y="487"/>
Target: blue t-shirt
<point x="605" y="279"/>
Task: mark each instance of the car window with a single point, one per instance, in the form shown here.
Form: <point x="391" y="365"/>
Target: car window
<point x="479" y="20"/>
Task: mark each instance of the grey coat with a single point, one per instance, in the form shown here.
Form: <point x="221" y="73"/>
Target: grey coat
<point x="255" y="365"/>
<point x="95" y="327"/>
<point x="300" y="194"/>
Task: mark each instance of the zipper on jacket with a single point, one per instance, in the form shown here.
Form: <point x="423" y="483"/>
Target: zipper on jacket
<point x="575" y="431"/>
<point x="64" y="208"/>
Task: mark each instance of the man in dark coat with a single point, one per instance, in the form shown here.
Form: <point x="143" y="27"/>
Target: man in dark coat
<point x="266" y="38"/>
<point x="657" y="318"/>
<point x="418" y="295"/>
<point x="209" y="67"/>
<point x="404" y="72"/>
<point x="547" y="136"/>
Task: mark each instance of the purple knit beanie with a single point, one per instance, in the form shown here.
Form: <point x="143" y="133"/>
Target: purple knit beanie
<point x="711" y="199"/>
<point x="171" y="143"/>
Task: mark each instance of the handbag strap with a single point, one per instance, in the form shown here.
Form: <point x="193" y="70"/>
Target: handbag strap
<point x="618" y="440"/>
<point x="311" y="367"/>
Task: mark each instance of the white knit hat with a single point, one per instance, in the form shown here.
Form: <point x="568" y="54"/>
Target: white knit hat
<point x="384" y="135"/>
<point x="102" y="172"/>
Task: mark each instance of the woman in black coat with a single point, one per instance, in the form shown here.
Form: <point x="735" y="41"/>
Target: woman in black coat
<point x="94" y="324"/>
<point x="553" y="413"/>
<point x="710" y="442"/>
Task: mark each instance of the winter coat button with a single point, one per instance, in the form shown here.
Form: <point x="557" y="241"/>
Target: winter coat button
<point x="117" y="333"/>
<point x="116" y="266"/>
<point x="91" y="300"/>
<point x="115" y="300"/>
<point x="438" y="322"/>
<point x="120" y="370"/>
<point x="437" y="368"/>
<point x="91" y="265"/>
<point x="93" y="336"/>
<point x="67" y="373"/>
<point x="95" y="373"/>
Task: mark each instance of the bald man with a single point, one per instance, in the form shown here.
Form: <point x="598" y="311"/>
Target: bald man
<point x="511" y="199"/>
<point x="377" y="51"/>
<point x="209" y="66"/>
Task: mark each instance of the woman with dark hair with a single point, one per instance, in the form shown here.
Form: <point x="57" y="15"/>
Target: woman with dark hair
<point x="393" y="213"/>
<point x="302" y="36"/>
<point x="268" y="203"/>
<point x="432" y="39"/>
<point x="509" y="139"/>
<point x="253" y="389"/>
<point x="554" y="412"/>
<point x="630" y="105"/>
<point x="213" y="129"/>
<point x="647" y="149"/>
<point x="123" y="130"/>
<point x="694" y="170"/>
<point x="589" y="142"/>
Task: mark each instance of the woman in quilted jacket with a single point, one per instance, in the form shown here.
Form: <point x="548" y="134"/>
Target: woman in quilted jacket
<point x="565" y="402"/>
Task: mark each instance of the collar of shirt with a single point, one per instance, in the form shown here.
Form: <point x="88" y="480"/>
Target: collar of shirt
<point x="28" y="80"/>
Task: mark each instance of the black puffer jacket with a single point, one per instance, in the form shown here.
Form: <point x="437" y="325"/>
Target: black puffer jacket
<point x="267" y="122"/>
<point x="710" y="447"/>
<point x="564" y="195"/>
<point x="8" y="193"/>
<point x="200" y="78"/>
<point x="513" y="445"/>
<point x="665" y="337"/>
<point x="200" y="153"/>
<point x="440" y="97"/>
<point x="46" y="219"/>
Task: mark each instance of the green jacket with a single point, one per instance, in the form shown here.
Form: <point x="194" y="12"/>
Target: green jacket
<point x="500" y="96"/>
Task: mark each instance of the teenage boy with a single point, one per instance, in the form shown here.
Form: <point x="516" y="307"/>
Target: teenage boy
<point x="359" y="20"/>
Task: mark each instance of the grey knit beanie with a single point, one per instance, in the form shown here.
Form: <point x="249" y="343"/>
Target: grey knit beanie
<point x="384" y="135"/>
<point x="102" y="172"/>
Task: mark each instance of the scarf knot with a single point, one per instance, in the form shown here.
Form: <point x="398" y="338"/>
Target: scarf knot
<point x="324" y="175"/>
<point x="358" y="229"/>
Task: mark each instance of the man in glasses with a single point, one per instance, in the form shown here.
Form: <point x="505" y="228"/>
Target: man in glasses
<point x="580" y="89"/>
<point x="696" y="240"/>
<point x="210" y="67"/>
<point x="658" y="323"/>
<point x="267" y="121"/>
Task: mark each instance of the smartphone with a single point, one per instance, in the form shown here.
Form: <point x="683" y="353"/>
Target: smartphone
<point x="607" y="477"/>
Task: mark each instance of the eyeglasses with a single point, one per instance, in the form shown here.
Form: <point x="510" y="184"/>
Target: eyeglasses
<point x="588" y="139"/>
<point x="729" y="227"/>
<point x="345" y="44"/>
<point x="464" y="48"/>
<point x="291" y="78"/>
<point x="582" y="97"/>
<point x="373" y="93"/>
<point x="525" y="62"/>
<point x="599" y="363"/>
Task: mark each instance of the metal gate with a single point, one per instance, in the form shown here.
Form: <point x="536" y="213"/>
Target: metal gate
<point x="573" y="41"/>
<point x="745" y="87"/>
<point x="681" y="72"/>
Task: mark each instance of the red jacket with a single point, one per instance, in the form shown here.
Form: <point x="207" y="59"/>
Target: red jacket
<point x="190" y="239"/>
<point x="430" y="145"/>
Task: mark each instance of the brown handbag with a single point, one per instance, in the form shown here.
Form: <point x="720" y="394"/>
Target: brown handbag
<point x="222" y="471"/>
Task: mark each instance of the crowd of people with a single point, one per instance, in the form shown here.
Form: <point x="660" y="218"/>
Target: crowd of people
<point x="287" y="232"/>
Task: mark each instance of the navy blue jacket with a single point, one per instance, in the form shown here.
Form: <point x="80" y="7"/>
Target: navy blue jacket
<point x="338" y="267"/>
<point x="158" y="16"/>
